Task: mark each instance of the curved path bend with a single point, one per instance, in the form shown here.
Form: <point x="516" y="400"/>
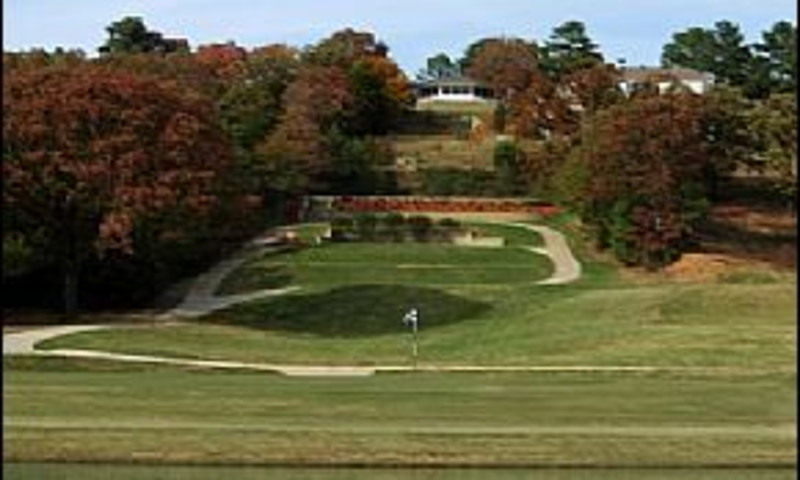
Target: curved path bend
<point x="201" y="300"/>
<point x="24" y="342"/>
<point x="567" y="269"/>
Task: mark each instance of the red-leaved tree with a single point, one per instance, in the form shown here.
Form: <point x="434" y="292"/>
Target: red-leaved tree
<point x="505" y="64"/>
<point x="539" y="110"/>
<point x="90" y="152"/>
<point x="644" y="187"/>
<point x="593" y="87"/>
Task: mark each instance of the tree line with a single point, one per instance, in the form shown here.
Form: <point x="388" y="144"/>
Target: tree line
<point x="641" y="170"/>
<point x="759" y="69"/>
<point x="127" y="171"/>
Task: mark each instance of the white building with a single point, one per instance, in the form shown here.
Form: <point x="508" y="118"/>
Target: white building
<point x="665" y="78"/>
<point x="453" y="89"/>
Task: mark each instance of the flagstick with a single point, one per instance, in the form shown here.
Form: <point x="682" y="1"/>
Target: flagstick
<point x="415" y="349"/>
<point x="411" y="319"/>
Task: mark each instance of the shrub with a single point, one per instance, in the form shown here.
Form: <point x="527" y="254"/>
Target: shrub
<point x="420" y="227"/>
<point x="446" y="228"/>
<point x="449" y="223"/>
<point x="456" y="181"/>
<point x="391" y="227"/>
<point x="365" y="224"/>
<point x="341" y="228"/>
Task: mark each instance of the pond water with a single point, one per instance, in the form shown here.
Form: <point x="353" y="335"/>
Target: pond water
<point x="53" y="471"/>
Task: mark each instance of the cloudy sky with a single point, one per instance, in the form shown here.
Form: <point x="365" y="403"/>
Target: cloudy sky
<point x="414" y="29"/>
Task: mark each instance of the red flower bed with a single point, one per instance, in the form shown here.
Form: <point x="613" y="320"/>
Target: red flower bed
<point x="412" y="205"/>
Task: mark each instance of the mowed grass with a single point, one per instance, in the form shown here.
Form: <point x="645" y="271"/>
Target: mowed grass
<point x="478" y="307"/>
<point x="406" y="263"/>
<point x="739" y="326"/>
<point x="741" y="413"/>
<point x="419" y="264"/>
<point x="57" y="410"/>
<point x="474" y="108"/>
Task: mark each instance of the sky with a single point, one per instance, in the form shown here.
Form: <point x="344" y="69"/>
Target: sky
<point x="414" y="30"/>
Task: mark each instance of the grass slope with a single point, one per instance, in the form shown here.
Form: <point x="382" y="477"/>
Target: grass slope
<point x="445" y="151"/>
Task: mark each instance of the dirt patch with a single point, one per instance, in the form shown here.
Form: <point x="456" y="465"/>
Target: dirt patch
<point x="693" y="267"/>
<point x="703" y="267"/>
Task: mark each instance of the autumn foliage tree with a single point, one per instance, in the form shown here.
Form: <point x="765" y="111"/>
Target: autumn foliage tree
<point x="180" y="70"/>
<point x="38" y="58"/>
<point x="346" y="91"/>
<point x="643" y="186"/>
<point x="505" y="64"/>
<point x="250" y="103"/>
<point x="380" y="94"/>
<point x="345" y="47"/>
<point x="226" y="60"/>
<point x="297" y="154"/>
<point x="539" y="110"/>
<point x="380" y="90"/>
<point x="593" y="87"/>
<point x="91" y="153"/>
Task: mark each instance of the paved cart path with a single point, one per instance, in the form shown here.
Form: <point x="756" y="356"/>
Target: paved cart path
<point x="201" y="299"/>
<point x="321" y="370"/>
<point x="566" y="267"/>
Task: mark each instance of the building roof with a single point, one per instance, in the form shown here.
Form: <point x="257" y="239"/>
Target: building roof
<point x="643" y="74"/>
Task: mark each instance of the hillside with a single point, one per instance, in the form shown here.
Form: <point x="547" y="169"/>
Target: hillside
<point x="445" y="135"/>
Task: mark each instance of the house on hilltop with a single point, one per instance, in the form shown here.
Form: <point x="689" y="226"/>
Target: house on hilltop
<point x="634" y="79"/>
<point x="452" y="89"/>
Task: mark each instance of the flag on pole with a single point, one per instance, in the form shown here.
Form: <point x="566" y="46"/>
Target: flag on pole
<point x="411" y="318"/>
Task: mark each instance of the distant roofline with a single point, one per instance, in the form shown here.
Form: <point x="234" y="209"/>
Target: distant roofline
<point x="681" y="73"/>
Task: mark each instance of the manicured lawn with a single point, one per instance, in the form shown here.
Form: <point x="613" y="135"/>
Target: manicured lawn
<point x="59" y="410"/>
<point x="349" y="312"/>
<point x="381" y="263"/>
<point x="478" y="306"/>
<point x="457" y="107"/>
<point x="732" y="325"/>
